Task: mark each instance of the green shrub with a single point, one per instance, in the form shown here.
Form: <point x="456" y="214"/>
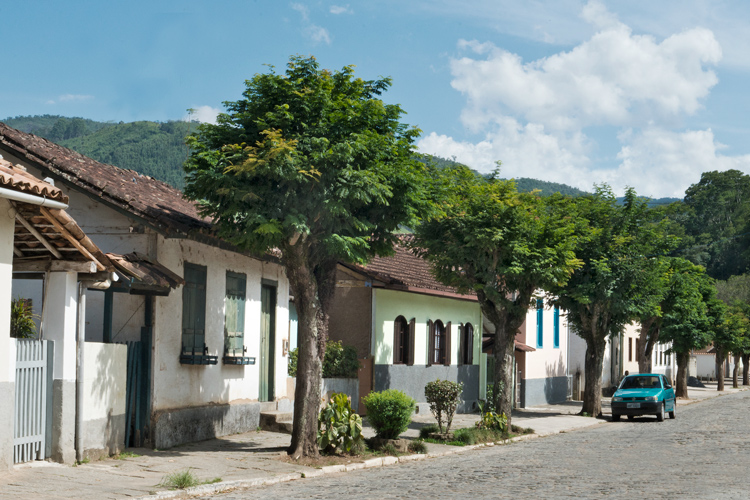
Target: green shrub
<point x="339" y="428"/>
<point x="21" y="320"/>
<point x="476" y="435"/>
<point x="389" y="412"/>
<point x="340" y="361"/>
<point x="292" y="366"/>
<point x="493" y="421"/>
<point x="418" y="447"/>
<point x="444" y="397"/>
<point x="425" y="431"/>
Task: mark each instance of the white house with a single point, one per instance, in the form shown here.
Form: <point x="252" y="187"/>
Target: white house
<point x="211" y="320"/>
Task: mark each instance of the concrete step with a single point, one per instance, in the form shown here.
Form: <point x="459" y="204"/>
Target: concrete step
<point x="276" y="421"/>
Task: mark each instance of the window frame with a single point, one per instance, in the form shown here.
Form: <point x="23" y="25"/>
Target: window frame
<point x="556" y="329"/>
<point x="439" y="353"/>
<point x="194" y="309"/>
<point x="235" y="292"/>
<point x="539" y="323"/>
<point x="466" y="345"/>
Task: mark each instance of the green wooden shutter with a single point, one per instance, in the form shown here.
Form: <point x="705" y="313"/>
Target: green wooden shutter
<point x="194" y="309"/>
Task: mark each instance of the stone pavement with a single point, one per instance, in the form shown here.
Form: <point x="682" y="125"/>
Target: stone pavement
<point x="249" y="459"/>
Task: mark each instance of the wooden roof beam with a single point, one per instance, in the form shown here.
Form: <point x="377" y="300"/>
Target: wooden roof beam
<point x="77" y="266"/>
<point x="66" y="234"/>
<point x="30" y="228"/>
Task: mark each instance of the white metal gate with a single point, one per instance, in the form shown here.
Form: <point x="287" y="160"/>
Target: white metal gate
<point x="32" y="400"/>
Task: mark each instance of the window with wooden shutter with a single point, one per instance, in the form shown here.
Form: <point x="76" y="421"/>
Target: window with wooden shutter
<point x="430" y="342"/>
<point x="446" y="350"/>
<point x="467" y="344"/>
<point x="400" y="341"/>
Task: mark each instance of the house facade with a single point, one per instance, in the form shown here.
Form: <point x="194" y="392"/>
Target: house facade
<point x="211" y="320"/>
<point x="408" y="328"/>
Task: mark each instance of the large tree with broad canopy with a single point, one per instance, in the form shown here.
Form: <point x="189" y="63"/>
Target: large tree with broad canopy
<point x="314" y="164"/>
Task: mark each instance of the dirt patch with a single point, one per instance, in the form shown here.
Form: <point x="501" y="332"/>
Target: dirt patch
<point x="325" y="460"/>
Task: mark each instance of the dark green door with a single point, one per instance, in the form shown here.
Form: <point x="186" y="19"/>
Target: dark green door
<point x="267" y="341"/>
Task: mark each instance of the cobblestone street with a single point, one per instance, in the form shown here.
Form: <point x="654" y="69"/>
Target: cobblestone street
<point x="704" y="453"/>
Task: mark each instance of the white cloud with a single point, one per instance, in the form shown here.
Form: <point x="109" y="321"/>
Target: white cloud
<point x="541" y="118"/>
<point x="74" y="97"/>
<point x="341" y="9"/>
<point x="203" y="114"/>
<point x="615" y="78"/>
<point x="314" y="32"/>
<point x="659" y="162"/>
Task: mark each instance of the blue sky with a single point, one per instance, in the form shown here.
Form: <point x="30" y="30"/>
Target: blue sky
<point x="639" y="93"/>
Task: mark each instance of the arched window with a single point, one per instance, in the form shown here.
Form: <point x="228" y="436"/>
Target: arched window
<point x="400" y="341"/>
<point x="440" y="343"/>
<point x="467" y="344"/>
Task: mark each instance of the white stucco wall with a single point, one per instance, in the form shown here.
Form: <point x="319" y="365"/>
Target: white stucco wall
<point x="177" y="385"/>
<point x="104" y="396"/>
<point x="630" y="335"/>
<point x="7" y="346"/>
<point x="546" y="361"/>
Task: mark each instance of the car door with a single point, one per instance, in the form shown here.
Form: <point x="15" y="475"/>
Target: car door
<point x="669" y="399"/>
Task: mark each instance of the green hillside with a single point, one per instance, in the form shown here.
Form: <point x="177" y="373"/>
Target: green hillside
<point x="151" y="148"/>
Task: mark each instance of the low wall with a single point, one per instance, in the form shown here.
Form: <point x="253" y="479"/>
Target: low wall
<point x="349" y="386"/>
<point x="412" y="380"/>
<point x="104" y="390"/>
<point x="541" y="391"/>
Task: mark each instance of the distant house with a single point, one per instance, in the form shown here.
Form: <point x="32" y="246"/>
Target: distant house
<point x="408" y="328"/>
<point x="211" y="320"/>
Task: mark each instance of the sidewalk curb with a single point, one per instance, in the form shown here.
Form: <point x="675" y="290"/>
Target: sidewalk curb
<point x="225" y="486"/>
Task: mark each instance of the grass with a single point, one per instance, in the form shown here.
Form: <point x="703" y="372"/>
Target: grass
<point x="126" y="454"/>
<point x="473" y="435"/>
<point x="184" y="479"/>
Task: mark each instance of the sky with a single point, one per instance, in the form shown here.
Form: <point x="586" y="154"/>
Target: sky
<point x="638" y="94"/>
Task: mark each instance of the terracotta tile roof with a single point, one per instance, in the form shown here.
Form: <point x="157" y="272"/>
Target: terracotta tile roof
<point x="406" y="271"/>
<point x="157" y="203"/>
<point x="17" y="179"/>
<point x="145" y="273"/>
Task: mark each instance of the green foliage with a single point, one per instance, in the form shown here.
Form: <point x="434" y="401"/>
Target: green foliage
<point x="312" y="158"/>
<point x="293" y="359"/>
<point x="476" y="435"/>
<point x="418" y="447"/>
<point x="424" y="432"/>
<point x="149" y="148"/>
<point x="21" y="320"/>
<point x="180" y="480"/>
<point x="491" y="420"/>
<point x="389" y="412"/>
<point x="339" y="427"/>
<point x="489" y="404"/>
<point x="719" y="222"/>
<point x="339" y="361"/>
<point x="444" y="397"/>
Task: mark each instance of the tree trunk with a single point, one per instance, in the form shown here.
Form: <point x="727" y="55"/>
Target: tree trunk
<point x="504" y="350"/>
<point x="592" y="394"/>
<point x="736" y="371"/>
<point x="745" y="369"/>
<point x="313" y="290"/>
<point x="683" y="358"/>
<point x="720" y="358"/>
<point x="645" y="345"/>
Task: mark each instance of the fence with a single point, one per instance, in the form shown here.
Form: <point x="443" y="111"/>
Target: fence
<point x="33" y="406"/>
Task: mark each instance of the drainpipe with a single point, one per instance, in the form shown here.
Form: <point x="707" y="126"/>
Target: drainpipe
<point x="31" y="199"/>
<point x="81" y="337"/>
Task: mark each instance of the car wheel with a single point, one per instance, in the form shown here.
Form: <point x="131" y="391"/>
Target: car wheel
<point x="615" y="417"/>
<point x="674" y="408"/>
<point x="660" y="415"/>
<point x="631" y="417"/>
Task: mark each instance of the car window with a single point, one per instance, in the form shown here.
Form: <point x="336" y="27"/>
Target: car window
<point x="667" y="385"/>
<point x="641" y="382"/>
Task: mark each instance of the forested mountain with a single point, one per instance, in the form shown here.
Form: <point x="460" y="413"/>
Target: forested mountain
<point x="151" y="148"/>
<point x="158" y="149"/>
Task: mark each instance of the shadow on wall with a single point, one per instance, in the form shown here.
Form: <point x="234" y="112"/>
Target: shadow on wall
<point x="556" y="382"/>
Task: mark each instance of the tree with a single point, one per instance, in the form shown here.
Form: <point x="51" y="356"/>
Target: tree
<point x="720" y="222"/>
<point x="504" y="246"/>
<point x="312" y="163"/>
<point x="685" y="320"/>
<point x="607" y="292"/>
<point x="736" y="292"/>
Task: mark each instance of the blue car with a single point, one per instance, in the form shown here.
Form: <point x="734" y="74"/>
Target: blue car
<point x="644" y="394"/>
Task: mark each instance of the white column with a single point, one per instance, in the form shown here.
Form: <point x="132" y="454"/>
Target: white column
<point x="60" y="326"/>
<point x="7" y="345"/>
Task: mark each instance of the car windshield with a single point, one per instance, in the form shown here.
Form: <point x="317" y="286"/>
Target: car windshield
<point x="641" y="382"/>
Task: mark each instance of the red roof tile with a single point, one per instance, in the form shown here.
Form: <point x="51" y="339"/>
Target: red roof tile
<point x="17" y="179"/>
<point x="156" y="202"/>
<point x="404" y="270"/>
